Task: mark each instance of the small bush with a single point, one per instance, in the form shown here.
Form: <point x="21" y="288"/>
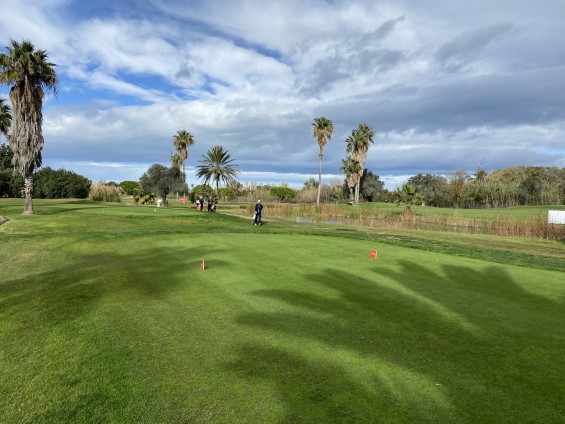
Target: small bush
<point x="144" y="197"/>
<point x="102" y="192"/>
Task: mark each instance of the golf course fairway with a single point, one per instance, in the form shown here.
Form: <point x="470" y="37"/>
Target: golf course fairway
<point x="106" y="316"/>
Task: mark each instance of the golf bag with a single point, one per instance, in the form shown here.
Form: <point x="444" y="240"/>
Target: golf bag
<point x="257" y="218"/>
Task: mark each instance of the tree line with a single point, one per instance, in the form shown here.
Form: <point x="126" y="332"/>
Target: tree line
<point x="513" y="186"/>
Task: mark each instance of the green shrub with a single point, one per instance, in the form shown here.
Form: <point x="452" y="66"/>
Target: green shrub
<point x="129" y="187"/>
<point x="143" y="197"/>
<point x="10" y="185"/>
<point x="283" y="193"/>
<point x="203" y="190"/>
<point x="227" y="193"/>
<point x="61" y="184"/>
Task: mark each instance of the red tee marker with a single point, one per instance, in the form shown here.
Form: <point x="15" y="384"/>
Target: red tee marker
<point x="202" y="265"/>
<point x="373" y="254"/>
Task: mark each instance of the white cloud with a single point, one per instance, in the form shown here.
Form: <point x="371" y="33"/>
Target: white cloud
<point x="132" y="46"/>
<point x="235" y="72"/>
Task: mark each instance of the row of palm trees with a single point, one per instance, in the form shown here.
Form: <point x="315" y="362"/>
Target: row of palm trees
<point x="217" y="162"/>
<point x="30" y="76"/>
<point x="358" y="144"/>
<point x="216" y="165"/>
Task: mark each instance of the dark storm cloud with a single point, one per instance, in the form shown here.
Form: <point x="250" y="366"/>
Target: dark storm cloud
<point x="533" y="97"/>
<point x="357" y="55"/>
<point x="374" y="37"/>
<point x="470" y="43"/>
<point x="437" y="158"/>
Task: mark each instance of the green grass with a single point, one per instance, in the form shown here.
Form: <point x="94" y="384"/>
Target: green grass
<point x="106" y="317"/>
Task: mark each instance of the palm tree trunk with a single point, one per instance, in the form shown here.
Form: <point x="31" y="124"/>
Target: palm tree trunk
<point x="319" y="180"/>
<point x="183" y="174"/>
<point x="28" y="188"/>
<point x="357" y="189"/>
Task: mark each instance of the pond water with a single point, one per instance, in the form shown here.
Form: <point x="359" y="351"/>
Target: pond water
<point x="310" y="219"/>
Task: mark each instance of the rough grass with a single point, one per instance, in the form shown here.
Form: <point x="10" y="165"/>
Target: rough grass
<point x="514" y="222"/>
<point x="106" y="317"/>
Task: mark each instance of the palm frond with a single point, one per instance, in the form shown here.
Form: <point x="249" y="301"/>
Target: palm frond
<point x="182" y="140"/>
<point x="5" y="118"/>
<point x="322" y="130"/>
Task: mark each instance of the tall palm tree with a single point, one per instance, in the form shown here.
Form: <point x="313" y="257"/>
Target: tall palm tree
<point x="217" y="165"/>
<point x="29" y="74"/>
<point x="5" y="118"/>
<point x="351" y="169"/>
<point x="322" y="130"/>
<point x="182" y="140"/>
<point x="353" y="146"/>
<point x="358" y="144"/>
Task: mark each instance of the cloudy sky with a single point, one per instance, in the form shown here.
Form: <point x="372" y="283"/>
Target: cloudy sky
<point x="444" y="84"/>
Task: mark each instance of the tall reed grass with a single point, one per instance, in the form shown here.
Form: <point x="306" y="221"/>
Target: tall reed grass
<point x="536" y="227"/>
<point x="101" y="192"/>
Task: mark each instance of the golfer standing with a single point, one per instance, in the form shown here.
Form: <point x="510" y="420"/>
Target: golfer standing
<point x="258" y="209"/>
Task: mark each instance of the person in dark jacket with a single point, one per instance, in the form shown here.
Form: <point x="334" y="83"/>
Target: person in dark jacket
<point x="258" y="210"/>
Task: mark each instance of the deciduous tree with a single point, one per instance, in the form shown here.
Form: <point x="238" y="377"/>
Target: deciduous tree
<point x="160" y="179"/>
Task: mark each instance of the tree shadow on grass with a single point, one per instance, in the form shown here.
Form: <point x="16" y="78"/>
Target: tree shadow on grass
<point x="52" y="207"/>
<point x="491" y="284"/>
<point x="78" y="332"/>
<point x="471" y="346"/>
<point x="69" y="291"/>
<point x="315" y="390"/>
